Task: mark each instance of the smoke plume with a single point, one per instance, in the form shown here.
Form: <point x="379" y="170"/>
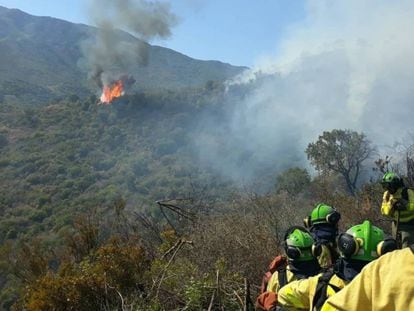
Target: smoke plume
<point x="347" y="65"/>
<point x="110" y="51"/>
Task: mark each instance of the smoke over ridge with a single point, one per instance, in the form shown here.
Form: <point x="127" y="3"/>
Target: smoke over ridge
<point x="347" y="65"/>
<point x="111" y="52"/>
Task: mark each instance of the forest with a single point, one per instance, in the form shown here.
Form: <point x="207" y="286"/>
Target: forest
<point x="135" y="177"/>
<point x="109" y="207"/>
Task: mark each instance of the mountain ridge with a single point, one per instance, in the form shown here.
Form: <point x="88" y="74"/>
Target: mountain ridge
<point x="42" y="59"/>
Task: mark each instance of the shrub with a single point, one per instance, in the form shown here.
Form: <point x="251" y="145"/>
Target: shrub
<point x="99" y="281"/>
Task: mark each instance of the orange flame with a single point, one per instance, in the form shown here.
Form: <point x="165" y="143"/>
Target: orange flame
<point x="109" y="93"/>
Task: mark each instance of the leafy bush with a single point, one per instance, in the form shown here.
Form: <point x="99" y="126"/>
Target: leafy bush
<point x="101" y="280"/>
<point x="293" y="181"/>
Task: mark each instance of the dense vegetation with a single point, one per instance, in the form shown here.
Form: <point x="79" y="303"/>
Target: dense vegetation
<point x="110" y="208"/>
<point x="80" y="228"/>
<point x="72" y="155"/>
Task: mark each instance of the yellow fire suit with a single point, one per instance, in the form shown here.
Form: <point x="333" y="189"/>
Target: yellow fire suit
<point x="325" y="258"/>
<point x="386" y="284"/>
<point x="388" y="201"/>
<point x="299" y="295"/>
<point x="406" y="217"/>
<point x="274" y="286"/>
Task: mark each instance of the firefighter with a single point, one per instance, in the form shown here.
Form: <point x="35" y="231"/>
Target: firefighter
<point x="386" y="284"/>
<point x="357" y="247"/>
<point x="299" y="263"/>
<point x="398" y="203"/>
<point x="323" y="224"/>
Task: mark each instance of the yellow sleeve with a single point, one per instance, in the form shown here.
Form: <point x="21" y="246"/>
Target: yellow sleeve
<point x="295" y="295"/>
<point x="384" y="284"/>
<point x="352" y="297"/>
<point x="386" y="206"/>
<point x="410" y="206"/>
<point x="273" y="285"/>
<point x="325" y="258"/>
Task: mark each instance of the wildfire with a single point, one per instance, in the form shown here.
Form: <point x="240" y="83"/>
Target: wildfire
<point x="110" y="92"/>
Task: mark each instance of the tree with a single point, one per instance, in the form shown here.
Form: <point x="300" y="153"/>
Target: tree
<point x="342" y="152"/>
<point x="294" y="180"/>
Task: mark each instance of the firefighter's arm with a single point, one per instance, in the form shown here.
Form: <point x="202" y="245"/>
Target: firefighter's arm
<point x="387" y="204"/>
<point x="273" y="285"/>
<point x="267" y="300"/>
<point x="295" y="295"/>
<point x="410" y="203"/>
<point x="400" y="205"/>
<point x="410" y="206"/>
<point x="325" y="258"/>
<point x="354" y="296"/>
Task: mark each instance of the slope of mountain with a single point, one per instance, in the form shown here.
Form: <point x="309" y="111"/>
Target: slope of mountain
<point x="40" y="59"/>
<point x="71" y="156"/>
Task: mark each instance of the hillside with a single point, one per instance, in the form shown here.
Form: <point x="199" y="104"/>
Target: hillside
<point x="78" y="202"/>
<point x="41" y="58"/>
<point x="73" y="155"/>
<point x="174" y="190"/>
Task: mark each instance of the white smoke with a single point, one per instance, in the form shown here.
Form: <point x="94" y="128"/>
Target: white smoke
<point x="347" y="65"/>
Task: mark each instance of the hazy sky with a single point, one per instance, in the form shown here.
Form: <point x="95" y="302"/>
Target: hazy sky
<point x="343" y="64"/>
<point x="235" y="31"/>
<point x="348" y="64"/>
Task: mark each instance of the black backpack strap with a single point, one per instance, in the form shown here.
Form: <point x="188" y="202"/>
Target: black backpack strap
<point x="404" y="193"/>
<point x="282" y="276"/>
<point x="321" y="290"/>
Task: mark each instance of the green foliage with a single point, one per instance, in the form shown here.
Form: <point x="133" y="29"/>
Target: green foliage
<point x="64" y="157"/>
<point x="342" y="152"/>
<point x="102" y="259"/>
<point x="195" y="293"/>
<point x="293" y="181"/>
<point x="72" y="156"/>
<point x="95" y="282"/>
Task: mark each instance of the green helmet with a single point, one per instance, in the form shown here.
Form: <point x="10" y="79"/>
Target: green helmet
<point x="298" y="244"/>
<point x="322" y="214"/>
<point x="391" y="178"/>
<point x="364" y="242"/>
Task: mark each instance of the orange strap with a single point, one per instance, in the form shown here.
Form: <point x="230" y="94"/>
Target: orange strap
<point x="266" y="301"/>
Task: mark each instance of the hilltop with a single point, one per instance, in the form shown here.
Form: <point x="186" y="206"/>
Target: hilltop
<point x="41" y="59"/>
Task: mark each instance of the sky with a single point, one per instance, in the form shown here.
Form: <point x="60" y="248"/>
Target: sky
<point x="346" y="65"/>
<point x="314" y="66"/>
<point x="239" y="32"/>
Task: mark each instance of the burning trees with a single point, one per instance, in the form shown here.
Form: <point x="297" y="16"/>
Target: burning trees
<point x="115" y="89"/>
<point x="109" y="51"/>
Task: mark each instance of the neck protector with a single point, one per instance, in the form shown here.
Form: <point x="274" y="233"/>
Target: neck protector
<point x="347" y="269"/>
<point x="304" y="269"/>
<point x="324" y="233"/>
